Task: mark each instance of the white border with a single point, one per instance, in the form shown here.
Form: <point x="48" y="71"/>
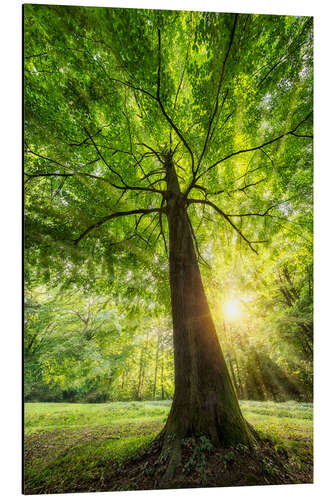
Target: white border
<point x="10" y="220"/>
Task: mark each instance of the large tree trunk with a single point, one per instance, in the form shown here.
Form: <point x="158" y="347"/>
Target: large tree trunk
<point x="204" y="401"/>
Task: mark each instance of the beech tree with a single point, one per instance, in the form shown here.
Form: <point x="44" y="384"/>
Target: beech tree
<point x="149" y="130"/>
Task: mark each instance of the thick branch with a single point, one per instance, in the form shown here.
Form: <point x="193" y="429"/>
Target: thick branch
<point x="113" y="216"/>
<point x="86" y="174"/>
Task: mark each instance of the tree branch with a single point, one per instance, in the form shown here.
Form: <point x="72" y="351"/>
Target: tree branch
<point x="183" y="73"/>
<point x="226" y="217"/>
<point x="217" y="93"/>
<point x="238" y="189"/>
<point x="173" y="125"/>
<point x="102" y="157"/>
<point x="130" y="85"/>
<point x="282" y="59"/>
<point x="266" y="211"/>
<point x="150" y="149"/>
<point x="51" y="174"/>
<point x="113" y="216"/>
<point x="86" y="174"/>
<point x="290" y="132"/>
<point x="46" y="158"/>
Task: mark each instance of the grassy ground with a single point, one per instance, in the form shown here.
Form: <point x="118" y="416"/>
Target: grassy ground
<point x="70" y="447"/>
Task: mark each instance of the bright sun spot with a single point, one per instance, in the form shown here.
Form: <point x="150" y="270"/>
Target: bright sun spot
<point x="232" y="309"/>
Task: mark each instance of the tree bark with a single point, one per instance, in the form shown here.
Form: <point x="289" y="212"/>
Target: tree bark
<point x="205" y="402"/>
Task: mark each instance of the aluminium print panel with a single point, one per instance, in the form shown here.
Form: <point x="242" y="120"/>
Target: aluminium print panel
<point x="168" y="333"/>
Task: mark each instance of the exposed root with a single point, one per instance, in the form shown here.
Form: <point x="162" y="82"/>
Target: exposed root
<point x="195" y="462"/>
<point x="174" y="460"/>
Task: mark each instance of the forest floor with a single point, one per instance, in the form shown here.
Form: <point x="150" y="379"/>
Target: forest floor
<point x="72" y="447"/>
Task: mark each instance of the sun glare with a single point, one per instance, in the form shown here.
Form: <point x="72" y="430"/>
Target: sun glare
<point x="232" y="309"/>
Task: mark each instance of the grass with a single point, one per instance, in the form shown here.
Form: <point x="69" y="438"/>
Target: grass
<point x="42" y="416"/>
<point x="68" y="447"/>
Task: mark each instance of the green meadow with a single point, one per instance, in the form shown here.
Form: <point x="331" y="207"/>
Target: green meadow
<point x="69" y="446"/>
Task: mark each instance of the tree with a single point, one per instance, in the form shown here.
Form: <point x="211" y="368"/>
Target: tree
<point x="174" y="118"/>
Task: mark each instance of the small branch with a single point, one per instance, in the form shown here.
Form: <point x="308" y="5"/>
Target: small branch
<point x="248" y="185"/>
<point x="150" y="223"/>
<point x="217" y="94"/>
<point x="302" y="135"/>
<point x="86" y="139"/>
<point x="218" y="116"/>
<point x="290" y="132"/>
<point x="200" y="188"/>
<point x="152" y="150"/>
<point x="253" y="214"/>
<point x="51" y="174"/>
<point x="203" y="214"/>
<point x="46" y="158"/>
<point x="172" y="124"/>
<point x="268" y="156"/>
<point x="250" y="214"/>
<point x="131" y="86"/>
<point x="282" y="59"/>
<point x="153" y="172"/>
<point x="102" y="157"/>
<point x="226" y="217"/>
<point x="238" y="189"/>
<point x="162" y="179"/>
<point x="36" y="55"/>
<point x="152" y="232"/>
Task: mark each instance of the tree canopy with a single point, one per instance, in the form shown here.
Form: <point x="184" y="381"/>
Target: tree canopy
<point x="109" y="93"/>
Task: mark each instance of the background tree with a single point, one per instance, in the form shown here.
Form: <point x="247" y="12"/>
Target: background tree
<point x="131" y="146"/>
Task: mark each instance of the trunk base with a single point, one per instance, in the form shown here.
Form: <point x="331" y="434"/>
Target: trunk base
<point x="194" y="463"/>
<point x="175" y="439"/>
